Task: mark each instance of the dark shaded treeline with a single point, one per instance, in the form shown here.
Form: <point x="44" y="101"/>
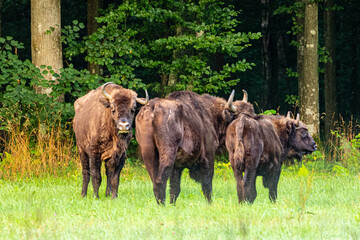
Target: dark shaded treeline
<point x="268" y="83"/>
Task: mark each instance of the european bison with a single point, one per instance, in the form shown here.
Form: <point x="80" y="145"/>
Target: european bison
<point x="180" y="132"/>
<point x="258" y="146"/>
<point x="102" y="126"/>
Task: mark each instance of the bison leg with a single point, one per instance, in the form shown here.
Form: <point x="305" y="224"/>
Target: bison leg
<point x="238" y="173"/>
<point x="175" y="180"/>
<point x="113" y="169"/>
<point x="271" y="180"/>
<point x="207" y="173"/>
<point x="85" y="172"/>
<point x="206" y="186"/>
<point x="203" y="173"/>
<point x="108" y="181"/>
<point x="95" y="167"/>
<point x="250" y="184"/>
<point x="166" y="164"/>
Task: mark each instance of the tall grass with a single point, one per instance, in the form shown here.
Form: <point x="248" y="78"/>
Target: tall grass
<point x="344" y="147"/>
<point x="43" y="151"/>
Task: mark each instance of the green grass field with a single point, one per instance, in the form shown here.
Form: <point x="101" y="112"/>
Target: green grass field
<point x="316" y="206"/>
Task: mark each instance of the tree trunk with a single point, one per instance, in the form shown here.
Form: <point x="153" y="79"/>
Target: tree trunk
<point x="300" y="49"/>
<point x="164" y="83"/>
<point x="92" y="25"/>
<point x="266" y="73"/>
<point x="309" y="100"/>
<point x="45" y="37"/>
<point x="330" y="74"/>
<point x="1" y="2"/>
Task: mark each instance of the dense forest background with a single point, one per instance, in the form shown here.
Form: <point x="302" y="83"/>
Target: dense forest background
<point x="268" y="75"/>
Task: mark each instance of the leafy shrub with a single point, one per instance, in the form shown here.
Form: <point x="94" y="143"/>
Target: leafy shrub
<point x="19" y="101"/>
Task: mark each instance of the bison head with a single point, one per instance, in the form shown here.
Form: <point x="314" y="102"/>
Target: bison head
<point x="300" y="142"/>
<point x="244" y="106"/>
<point x="122" y="105"/>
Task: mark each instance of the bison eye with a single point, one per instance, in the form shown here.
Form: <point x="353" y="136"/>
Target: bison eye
<point x="303" y="133"/>
<point x="112" y="107"/>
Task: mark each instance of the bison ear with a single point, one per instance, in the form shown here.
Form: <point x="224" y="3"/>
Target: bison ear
<point x="104" y="101"/>
<point x="290" y="127"/>
<point x="227" y="115"/>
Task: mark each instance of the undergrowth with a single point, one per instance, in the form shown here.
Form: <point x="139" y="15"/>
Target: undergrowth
<point x="48" y="150"/>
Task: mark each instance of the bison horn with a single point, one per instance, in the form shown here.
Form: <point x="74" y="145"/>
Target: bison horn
<point x="288" y="114"/>
<point x="143" y="101"/>
<point x="229" y="104"/>
<point x="105" y="94"/>
<point x="297" y="120"/>
<point x="245" y="98"/>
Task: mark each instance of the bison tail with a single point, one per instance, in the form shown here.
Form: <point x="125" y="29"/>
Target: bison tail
<point x="239" y="145"/>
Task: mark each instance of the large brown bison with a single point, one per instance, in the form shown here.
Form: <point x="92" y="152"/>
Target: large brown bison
<point x="182" y="131"/>
<point x="259" y="145"/>
<point x="102" y="126"/>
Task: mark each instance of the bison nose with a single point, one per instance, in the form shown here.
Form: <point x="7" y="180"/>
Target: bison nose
<point x="123" y="125"/>
<point x="315" y="147"/>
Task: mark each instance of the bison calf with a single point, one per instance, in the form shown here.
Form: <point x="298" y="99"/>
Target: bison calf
<point x="102" y="126"/>
<point x="258" y="146"/>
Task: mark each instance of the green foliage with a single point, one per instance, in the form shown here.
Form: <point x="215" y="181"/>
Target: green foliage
<point x="348" y="151"/>
<point x="17" y="78"/>
<point x="170" y="45"/>
<point x="70" y="36"/>
<point x="340" y="170"/>
<point x="292" y="99"/>
<point x="19" y="101"/>
<point x="223" y="169"/>
<point x="296" y="11"/>
<point x="269" y="112"/>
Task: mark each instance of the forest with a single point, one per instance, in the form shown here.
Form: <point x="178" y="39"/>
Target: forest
<point x="156" y="45"/>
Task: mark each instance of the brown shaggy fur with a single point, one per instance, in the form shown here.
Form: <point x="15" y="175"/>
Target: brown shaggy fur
<point x="97" y="137"/>
<point x="258" y="146"/>
<point x="180" y="132"/>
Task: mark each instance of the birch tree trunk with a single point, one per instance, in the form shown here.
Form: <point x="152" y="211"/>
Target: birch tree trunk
<point x="309" y="89"/>
<point x="330" y="74"/>
<point x="45" y="37"/>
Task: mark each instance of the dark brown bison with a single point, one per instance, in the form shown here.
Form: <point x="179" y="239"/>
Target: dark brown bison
<point x="259" y="145"/>
<point x="182" y="131"/>
<point x="102" y="126"/>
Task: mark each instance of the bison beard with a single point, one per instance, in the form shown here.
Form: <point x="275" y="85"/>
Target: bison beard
<point x="180" y="132"/>
<point x="258" y="146"/>
<point x="102" y="126"/>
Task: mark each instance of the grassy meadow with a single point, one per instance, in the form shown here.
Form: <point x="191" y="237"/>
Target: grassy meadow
<point x="40" y="185"/>
<point x="310" y="206"/>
